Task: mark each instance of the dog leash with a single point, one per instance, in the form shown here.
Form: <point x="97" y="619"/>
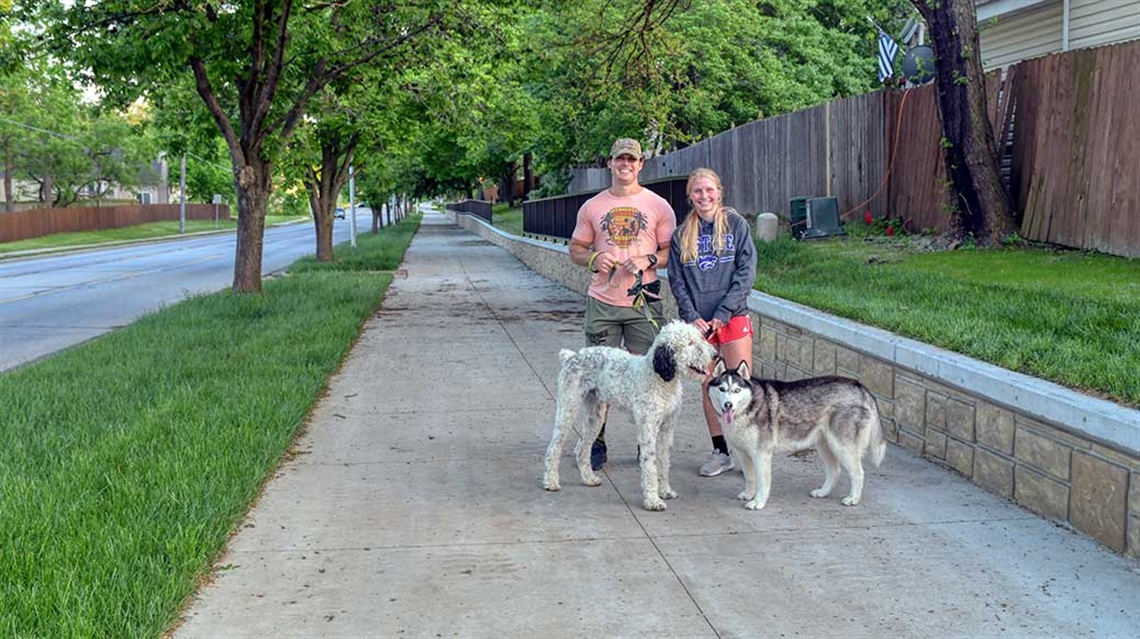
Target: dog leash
<point x="641" y="293"/>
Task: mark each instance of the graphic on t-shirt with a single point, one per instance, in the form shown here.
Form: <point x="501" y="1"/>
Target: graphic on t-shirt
<point x="623" y="224"/>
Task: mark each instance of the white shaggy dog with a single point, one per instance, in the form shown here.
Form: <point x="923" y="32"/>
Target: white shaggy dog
<point x="646" y="385"/>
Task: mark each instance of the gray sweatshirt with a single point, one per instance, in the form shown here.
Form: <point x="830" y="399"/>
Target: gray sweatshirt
<point x="714" y="286"/>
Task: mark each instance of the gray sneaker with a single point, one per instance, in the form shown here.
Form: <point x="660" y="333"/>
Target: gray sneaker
<point x="716" y="464"/>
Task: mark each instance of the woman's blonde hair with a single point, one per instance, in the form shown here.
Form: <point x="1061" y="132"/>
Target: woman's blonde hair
<point x="690" y="228"/>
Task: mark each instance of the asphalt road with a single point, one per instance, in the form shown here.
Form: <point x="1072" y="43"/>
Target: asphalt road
<point x="56" y="301"/>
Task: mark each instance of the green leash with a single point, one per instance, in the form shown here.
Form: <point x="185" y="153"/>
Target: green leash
<point x="642" y="295"/>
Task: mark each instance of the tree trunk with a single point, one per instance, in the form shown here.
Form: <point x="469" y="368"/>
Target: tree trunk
<point x="528" y="173"/>
<point x="323" y="206"/>
<point x="982" y="207"/>
<point x="253" y="185"/>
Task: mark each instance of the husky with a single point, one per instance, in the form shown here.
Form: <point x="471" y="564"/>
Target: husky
<point x="836" y="415"/>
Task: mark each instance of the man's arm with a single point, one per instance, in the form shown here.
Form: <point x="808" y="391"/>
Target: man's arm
<point x="580" y="252"/>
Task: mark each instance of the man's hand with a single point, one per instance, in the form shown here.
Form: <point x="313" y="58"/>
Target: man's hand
<point x="604" y="262"/>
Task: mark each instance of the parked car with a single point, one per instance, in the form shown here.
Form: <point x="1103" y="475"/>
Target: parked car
<point x="339" y="214"/>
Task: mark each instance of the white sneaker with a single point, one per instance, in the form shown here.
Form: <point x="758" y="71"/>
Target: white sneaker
<point x="716" y="464"/>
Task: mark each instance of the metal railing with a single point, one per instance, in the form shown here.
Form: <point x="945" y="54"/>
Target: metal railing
<point x="556" y="216"/>
<point x="478" y="208"/>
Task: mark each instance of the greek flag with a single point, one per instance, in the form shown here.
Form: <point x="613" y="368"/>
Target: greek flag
<point x="887" y="51"/>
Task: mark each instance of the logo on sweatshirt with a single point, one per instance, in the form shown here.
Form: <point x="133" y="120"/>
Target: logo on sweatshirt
<point x="707" y="257"/>
<point x="623" y="224"/>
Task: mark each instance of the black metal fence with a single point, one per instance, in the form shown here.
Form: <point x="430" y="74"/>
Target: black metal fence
<point x="556" y="216"/>
<point x="478" y="208"/>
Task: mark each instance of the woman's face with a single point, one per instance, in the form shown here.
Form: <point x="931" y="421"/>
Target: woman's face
<point x="705" y="197"/>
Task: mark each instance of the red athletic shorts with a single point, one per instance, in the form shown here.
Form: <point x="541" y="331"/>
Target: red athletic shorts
<point x="738" y="327"/>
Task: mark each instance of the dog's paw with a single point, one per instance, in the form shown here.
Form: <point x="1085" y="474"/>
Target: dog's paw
<point x="552" y="486"/>
<point x="754" y="505"/>
<point x="850" y="501"/>
<point x="654" y="504"/>
<point x="744" y="495"/>
<point x="668" y="493"/>
<point x="591" y="480"/>
<point x="819" y="492"/>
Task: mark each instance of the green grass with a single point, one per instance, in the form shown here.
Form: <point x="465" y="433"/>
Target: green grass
<point x="1066" y="316"/>
<point x="380" y="252"/>
<point x="151" y="230"/>
<point x="127" y="462"/>
<point x="506" y="219"/>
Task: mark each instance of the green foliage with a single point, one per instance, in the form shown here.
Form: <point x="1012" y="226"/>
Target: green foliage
<point x="53" y="139"/>
<point x="703" y="67"/>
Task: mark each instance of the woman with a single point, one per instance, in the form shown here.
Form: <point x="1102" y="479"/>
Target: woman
<point x="712" y="265"/>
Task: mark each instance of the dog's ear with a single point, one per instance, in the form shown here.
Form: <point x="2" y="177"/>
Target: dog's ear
<point x="742" y="370"/>
<point x="719" y="368"/>
<point x="664" y="362"/>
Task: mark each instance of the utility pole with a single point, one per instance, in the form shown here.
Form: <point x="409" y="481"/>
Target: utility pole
<point x="182" y="195"/>
<point x="352" y="205"/>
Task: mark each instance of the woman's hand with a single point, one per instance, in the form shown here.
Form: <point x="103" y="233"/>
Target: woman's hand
<point x="704" y="327"/>
<point x="708" y="328"/>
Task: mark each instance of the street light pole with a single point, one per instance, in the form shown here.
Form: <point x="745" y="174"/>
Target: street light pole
<point x="182" y="194"/>
<point x="352" y="204"/>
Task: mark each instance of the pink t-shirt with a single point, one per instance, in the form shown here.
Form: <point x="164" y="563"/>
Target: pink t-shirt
<point x="625" y="226"/>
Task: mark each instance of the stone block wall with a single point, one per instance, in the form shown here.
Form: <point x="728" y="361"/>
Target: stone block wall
<point x="1050" y="469"/>
<point x="1063" y="455"/>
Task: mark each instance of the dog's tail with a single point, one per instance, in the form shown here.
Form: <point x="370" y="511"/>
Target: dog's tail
<point x="565" y="354"/>
<point x="878" y="443"/>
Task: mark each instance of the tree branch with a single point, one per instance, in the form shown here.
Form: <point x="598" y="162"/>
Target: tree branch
<point x="206" y="91"/>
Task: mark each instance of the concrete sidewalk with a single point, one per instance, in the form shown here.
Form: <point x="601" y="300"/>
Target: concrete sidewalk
<point x="414" y="509"/>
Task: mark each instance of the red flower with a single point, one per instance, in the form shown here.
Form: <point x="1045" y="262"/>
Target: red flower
<point x="867" y="217"/>
<point x="890" y="230"/>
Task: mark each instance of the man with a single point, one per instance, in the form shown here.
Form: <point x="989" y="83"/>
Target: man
<point x="623" y="236"/>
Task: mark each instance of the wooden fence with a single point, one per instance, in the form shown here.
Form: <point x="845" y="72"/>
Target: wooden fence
<point x="1076" y="153"/>
<point x="22" y="225"/>
<point x="1074" y="171"/>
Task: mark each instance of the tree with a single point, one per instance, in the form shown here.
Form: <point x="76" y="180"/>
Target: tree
<point x="982" y="206"/>
<point x="322" y="154"/>
<point x="256" y="65"/>
<point x="673" y="73"/>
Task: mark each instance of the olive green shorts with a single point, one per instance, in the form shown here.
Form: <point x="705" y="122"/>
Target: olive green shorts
<point x="609" y="325"/>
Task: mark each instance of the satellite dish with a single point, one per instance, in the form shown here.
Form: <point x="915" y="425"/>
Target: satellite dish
<point x="918" y="65"/>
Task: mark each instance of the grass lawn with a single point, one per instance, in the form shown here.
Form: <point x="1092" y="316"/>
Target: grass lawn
<point x="506" y="219"/>
<point x="150" y="230"/>
<point x="1070" y="317"/>
<point x="126" y="463"/>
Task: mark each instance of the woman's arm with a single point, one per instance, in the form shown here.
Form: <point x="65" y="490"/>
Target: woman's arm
<point x="745" y="274"/>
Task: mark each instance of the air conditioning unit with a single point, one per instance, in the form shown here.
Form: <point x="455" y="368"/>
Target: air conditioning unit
<point x="814" y="217"/>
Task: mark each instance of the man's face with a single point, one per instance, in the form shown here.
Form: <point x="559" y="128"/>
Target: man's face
<point x="624" y="169"/>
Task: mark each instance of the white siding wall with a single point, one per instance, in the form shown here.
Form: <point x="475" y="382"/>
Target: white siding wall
<point x="1022" y="35"/>
<point x="1094" y="23"/>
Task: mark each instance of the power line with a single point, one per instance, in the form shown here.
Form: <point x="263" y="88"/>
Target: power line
<point x="32" y="128"/>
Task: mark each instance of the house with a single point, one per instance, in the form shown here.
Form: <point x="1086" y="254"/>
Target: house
<point x="1014" y="30"/>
